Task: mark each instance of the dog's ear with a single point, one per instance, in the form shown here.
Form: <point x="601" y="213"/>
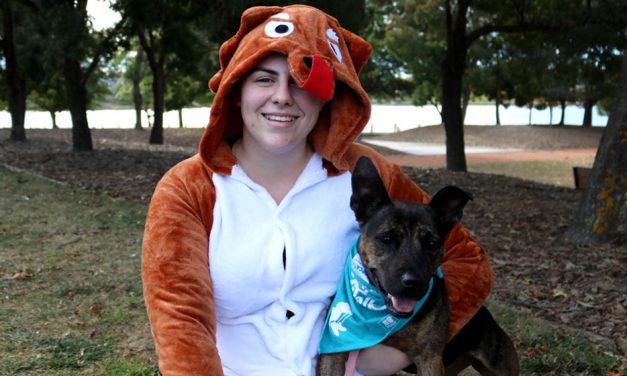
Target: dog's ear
<point x="448" y="205"/>
<point x="369" y="193"/>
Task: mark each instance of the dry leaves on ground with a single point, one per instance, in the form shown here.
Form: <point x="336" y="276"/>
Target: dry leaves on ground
<point x="520" y="223"/>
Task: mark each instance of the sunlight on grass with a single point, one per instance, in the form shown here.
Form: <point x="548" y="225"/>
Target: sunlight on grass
<point x="554" y="172"/>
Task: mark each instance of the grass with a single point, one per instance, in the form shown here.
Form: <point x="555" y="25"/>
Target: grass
<point x="544" y="349"/>
<point x="71" y="300"/>
<point x="71" y="289"/>
<point x="552" y="172"/>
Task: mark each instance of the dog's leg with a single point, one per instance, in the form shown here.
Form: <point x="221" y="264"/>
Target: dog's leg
<point x="428" y="366"/>
<point x="483" y="345"/>
<point x="332" y="364"/>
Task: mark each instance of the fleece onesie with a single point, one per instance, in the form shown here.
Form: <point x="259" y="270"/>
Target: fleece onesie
<point x="204" y="321"/>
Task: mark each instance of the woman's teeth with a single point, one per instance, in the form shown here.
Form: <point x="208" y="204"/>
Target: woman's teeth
<point x="282" y="118"/>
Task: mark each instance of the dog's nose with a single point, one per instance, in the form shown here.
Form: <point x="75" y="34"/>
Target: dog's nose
<point x="409" y="280"/>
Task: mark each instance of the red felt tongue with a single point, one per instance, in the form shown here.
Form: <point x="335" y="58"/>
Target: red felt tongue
<point x="403" y="305"/>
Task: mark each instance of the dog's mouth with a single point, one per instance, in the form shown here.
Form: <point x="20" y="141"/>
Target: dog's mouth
<point x="401" y="307"/>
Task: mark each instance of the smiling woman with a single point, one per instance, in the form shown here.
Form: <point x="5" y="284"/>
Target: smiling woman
<point x="278" y="115"/>
<point x="245" y="242"/>
<point x="101" y="14"/>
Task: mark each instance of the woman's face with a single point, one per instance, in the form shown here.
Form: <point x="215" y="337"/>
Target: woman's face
<point x="277" y="114"/>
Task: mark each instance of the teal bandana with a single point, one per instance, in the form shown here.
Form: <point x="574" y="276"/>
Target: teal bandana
<point x="358" y="317"/>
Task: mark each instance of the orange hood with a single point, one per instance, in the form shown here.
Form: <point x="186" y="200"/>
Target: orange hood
<point x="323" y="58"/>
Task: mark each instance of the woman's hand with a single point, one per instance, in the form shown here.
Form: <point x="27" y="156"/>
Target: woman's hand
<point x="381" y="360"/>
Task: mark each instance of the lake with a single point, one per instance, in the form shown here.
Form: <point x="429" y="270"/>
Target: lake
<point x="384" y="119"/>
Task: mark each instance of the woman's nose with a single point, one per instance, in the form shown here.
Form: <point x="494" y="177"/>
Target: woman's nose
<point x="283" y="95"/>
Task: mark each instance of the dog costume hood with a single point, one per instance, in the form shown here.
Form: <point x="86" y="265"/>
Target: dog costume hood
<point x="325" y="65"/>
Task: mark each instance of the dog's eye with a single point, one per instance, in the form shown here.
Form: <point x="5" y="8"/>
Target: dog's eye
<point x="431" y="242"/>
<point x="386" y="239"/>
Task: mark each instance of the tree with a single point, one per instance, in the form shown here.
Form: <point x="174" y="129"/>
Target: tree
<point x="166" y="30"/>
<point x="601" y="214"/>
<point x="137" y="76"/>
<point x="129" y="68"/>
<point x="447" y="30"/>
<point x="51" y="96"/>
<point x="15" y="74"/>
<point x="489" y="75"/>
<point x="79" y="50"/>
<point x="182" y="92"/>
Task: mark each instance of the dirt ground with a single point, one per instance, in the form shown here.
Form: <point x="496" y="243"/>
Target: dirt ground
<point x="519" y="223"/>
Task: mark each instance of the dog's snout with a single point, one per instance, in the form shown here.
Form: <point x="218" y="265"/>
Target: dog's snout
<point x="409" y="280"/>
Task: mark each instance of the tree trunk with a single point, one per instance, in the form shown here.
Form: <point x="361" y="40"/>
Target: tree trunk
<point x="137" y="92"/>
<point x="158" y="91"/>
<point x="550" y="115"/>
<point x="53" y="117"/>
<point x="15" y="82"/>
<point x="498" y="103"/>
<point x="180" y="111"/>
<point x="453" y="123"/>
<point x="602" y="210"/>
<point x="587" y="115"/>
<point x="453" y="67"/>
<point x="465" y="101"/>
<point x="138" y="115"/>
<point x="563" y="104"/>
<point x="77" y="101"/>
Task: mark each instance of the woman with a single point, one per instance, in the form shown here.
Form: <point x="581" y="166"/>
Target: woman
<point x="245" y="242"/>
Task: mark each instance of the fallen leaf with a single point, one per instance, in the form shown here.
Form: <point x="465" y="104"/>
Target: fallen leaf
<point x="95" y="309"/>
<point x="21" y="275"/>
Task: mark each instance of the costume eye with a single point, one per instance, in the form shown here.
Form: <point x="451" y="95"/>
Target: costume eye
<point x="333" y="41"/>
<point x="279" y="29"/>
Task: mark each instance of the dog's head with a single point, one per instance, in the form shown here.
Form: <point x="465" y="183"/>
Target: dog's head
<point x="401" y="244"/>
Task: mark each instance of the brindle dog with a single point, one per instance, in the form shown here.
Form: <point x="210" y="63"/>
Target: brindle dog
<point x="401" y="248"/>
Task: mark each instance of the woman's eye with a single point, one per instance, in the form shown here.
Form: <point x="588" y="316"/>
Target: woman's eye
<point x="264" y="80"/>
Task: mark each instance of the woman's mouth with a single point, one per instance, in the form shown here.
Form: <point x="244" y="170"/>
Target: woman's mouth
<point x="280" y="118"/>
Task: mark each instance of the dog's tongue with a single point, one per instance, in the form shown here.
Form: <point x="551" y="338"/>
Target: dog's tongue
<point x="403" y="305"/>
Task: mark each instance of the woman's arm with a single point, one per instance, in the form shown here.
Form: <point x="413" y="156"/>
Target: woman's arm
<point x="175" y="272"/>
<point x="381" y="360"/>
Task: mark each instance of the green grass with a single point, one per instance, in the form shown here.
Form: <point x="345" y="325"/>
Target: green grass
<point x="70" y="282"/>
<point x="544" y="349"/>
<point x="553" y="172"/>
<point x="71" y="300"/>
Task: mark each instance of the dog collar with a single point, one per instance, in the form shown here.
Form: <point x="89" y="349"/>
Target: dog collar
<point x="358" y="317"/>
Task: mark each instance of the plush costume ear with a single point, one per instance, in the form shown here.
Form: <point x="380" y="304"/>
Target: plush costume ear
<point x="358" y="48"/>
<point x="251" y="18"/>
<point x="369" y="193"/>
<point x="448" y="205"/>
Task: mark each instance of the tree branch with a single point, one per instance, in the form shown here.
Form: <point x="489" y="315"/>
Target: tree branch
<point x="516" y="28"/>
<point x="29" y="3"/>
<point x="103" y="47"/>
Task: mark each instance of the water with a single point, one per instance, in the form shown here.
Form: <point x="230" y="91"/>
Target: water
<point x="384" y="119"/>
